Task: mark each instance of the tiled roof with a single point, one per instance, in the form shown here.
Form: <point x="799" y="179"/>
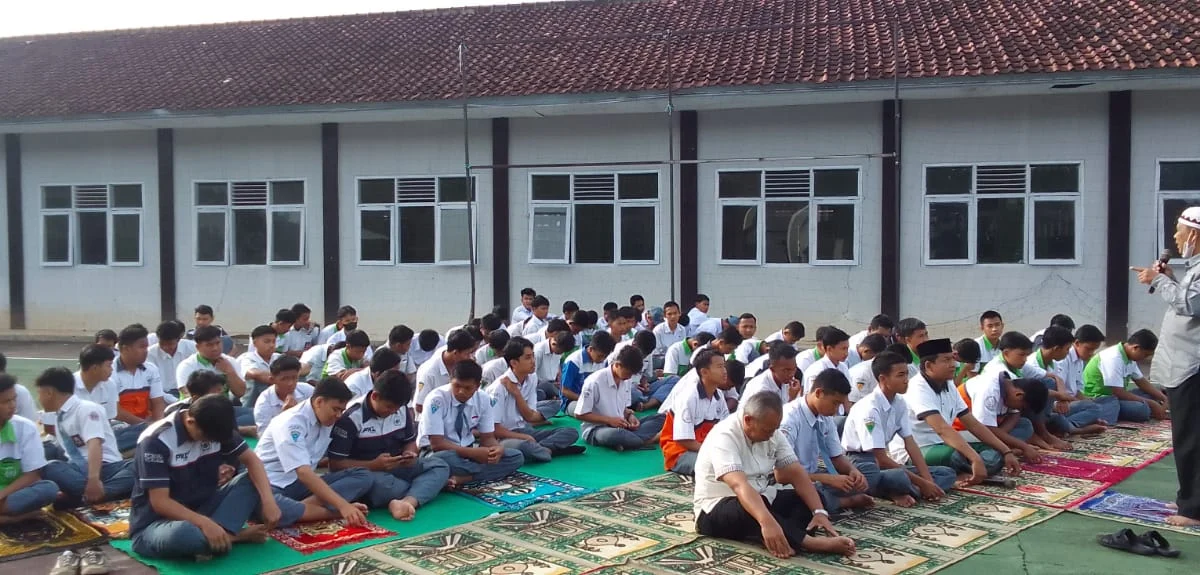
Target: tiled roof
<point x="412" y="56"/>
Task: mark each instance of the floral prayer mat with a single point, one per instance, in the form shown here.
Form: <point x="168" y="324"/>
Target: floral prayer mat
<point x="110" y="518"/>
<point x="520" y="490"/>
<point x="46" y="532"/>
<point x="1044" y="489"/>
<point x="321" y="535"/>
<point x="1143" y="511"/>
<point x="1080" y="469"/>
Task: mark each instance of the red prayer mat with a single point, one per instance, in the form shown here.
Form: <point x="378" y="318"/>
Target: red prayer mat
<point x="1077" y="469"/>
<point x="322" y="535"/>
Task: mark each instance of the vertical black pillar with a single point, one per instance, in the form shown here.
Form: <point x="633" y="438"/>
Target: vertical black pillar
<point x="16" y="232"/>
<point x="689" y="208"/>
<point x="1120" y="150"/>
<point x="501" y="234"/>
<point x="889" y="224"/>
<point x="166" y="223"/>
<point x="331" y="230"/>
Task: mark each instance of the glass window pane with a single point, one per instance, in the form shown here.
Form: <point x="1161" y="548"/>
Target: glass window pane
<point x="249" y="237"/>
<point x="550" y="233"/>
<point x="127" y="196"/>
<point x="1000" y="231"/>
<point x="739" y="185"/>
<point x="127" y="238"/>
<point x="594" y="233"/>
<point x="416" y="235"/>
<point x="452" y="190"/>
<point x="787" y="233"/>
<point x="375" y="235"/>
<point x="1179" y="176"/>
<point x="1054" y="230"/>
<point x="947" y="180"/>
<point x="948" y="229"/>
<point x="56" y="238"/>
<point x="210" y="237"/>
<point x="1172" y="208"/>
<point x="637" y="186"/>
<point x="835" y="183"/>
<point x="287" y="193"/>
<point x="638" y="234"/>
<point x="377" y="191"/>
<point x="56" y="197"/>
<point x="286" y="227"/>
<point x="93" y="238"/>
<point x="456" y="244"/>
<point x="1050" y="179"/>
<point x="835" y="232"/>
<point x="212" y="194"/>
<point x="739" y="233"/>
<point x="550" y="188"/>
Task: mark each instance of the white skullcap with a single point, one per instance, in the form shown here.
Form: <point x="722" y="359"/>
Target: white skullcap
<point x="1191" y="217"/>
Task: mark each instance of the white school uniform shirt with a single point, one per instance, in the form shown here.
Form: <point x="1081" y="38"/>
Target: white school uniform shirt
<point x="493" y="370"/>
<point x="167" y="363"/>
<point x="747" y="351"/>
<point x="430" y="376"/>
<point x="778" y="336"/>
<point x="862" y="381"/>
<point x="196" y="362"/>
<point x="268" y="405"/>
<point x="688" y="381"/>
<point x="923" y="400"/>
<point x="24" y="446"/>
<point x="665" y="337"/>
<point x="853" y="358"/>
<point x="360" y="382"/>
<point x="858" y="338"/>
<point x="756" y="366"/>
<point x="485" y="354"/>
<point x="309" y="336"/>
<point x="726" y="450"/>
<point x="25" y="405"/>
<point x="986" y="350"/>
<point x="406" y="365"/>
<point x="339" y="361"/>
<point x="504" y="405"/>
<point x="1070" y="369"/>
<point x="695" y="318"/>
<point x="440" y="413"/>
<point x="694" y="407"/>
<point x="806" y="358"/>
<point x="997" y="365"/>
<point x="136" y="379"/>
<point x="807" y="432"/>
<point x="603" y="395"/>
<point x="811" y="373"/>
<point x="711" y="325"/>
<point x="326" y="333"/>
<point x="678" y="355"/>
<point x="987" y="397"/>
<point x="79" y="422"/>
<point x="315" y="357"/>
<point x="340" y="336"/>
<point x="549" y="364"/>
<point x="104" y="395"/>
<point x="532" y="326"/>
<point x="294" y="439"/>
<point x="420" y="356"/>
<point x="765" y="383"/>
<point x="292" y="341"/>
<point x="874" y="421"/>
<point x="519" y="314"/>
<point x="1115" y="369"/>
<point x="647" y="371"/>
<point x="251" y="360"/>
<point x="1035" y="363"/>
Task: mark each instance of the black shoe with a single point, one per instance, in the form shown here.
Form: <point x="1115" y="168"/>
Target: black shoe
<point x="568" y="450"/>
<point x="1160" y="545"/>
<point x="1125" y="540"/>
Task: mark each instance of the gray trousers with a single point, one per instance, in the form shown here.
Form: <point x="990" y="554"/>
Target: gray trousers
<point x="546" y="440"/>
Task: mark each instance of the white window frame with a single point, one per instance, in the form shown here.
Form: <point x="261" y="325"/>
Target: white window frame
<point x="1161" y="196"/>
<point x="395" y="207"/>
<point x="616" y="203"/>
<point x="228" y="211"/>
<point x="72" y="214"/>
<point x="972" y="198"/>
<point x="814" y="202"/>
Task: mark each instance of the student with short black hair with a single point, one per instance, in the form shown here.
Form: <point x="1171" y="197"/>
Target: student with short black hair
<point x="667" y="333"/>
<point x="362" y="382"/>
<point x="138" y="386"/>
<point x="106" y="338"/>
<point x="1065" y="413"/>
<point x="496" y="341"/>
<point x="1088" y="339"/>
<point x="168" y="352"/>
<point x="203" y="316"/>
<point x="604" y="407"/>
<point x="517" y="411"/>
<point x="1107" y="376"/>
<point x="834" y="347"/>
<point x="537" y="319"/>
<point x="286" y="391"/>
<point x="547" y="357"/>
<point x="428" y="343"/>
<point x="285" y="342"/>
<point x="881" y="325"/>
<point x="208" y="357"/>
<point x="569" y="308"/>
<point x="202" y="383"/>
<point x="304" y="332"/>
<point x="780" y="376"/>
<point x="523" y="311"/>
<point x="608" y="314"/>
<point x="179" y="507"/>
<point x="912" y="332"/>
<point x="347" y="321"/>
<point x="581" y="364"/>
<point x="992" y="326"/>
<point x="813" y="435"/>
<point x="699" y="312"/>
<point x="692" y="413"/>
<point x="350" y="359"/>
<point x="751" y="347"/>
<point x="1023" y="428"/>
<point x="806" y="358"/>
<point x="256" y="363"/>
<point x="1058" y="320"/>
<point x="862" y="378"/>
<point x="967" y="355"/>
<point x="437" y="372"/>
<point x="23" y="491"/>
<point x="792" y="334"/>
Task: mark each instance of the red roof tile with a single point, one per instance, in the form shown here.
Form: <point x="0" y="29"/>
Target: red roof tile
<point x="581" y="47"/>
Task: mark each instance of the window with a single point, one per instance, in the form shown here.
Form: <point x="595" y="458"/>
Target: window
<point x="1002" y="214"/>
<point x="92" y="225"/>
<point x="594" y="218"/>
<point x="414" y="220"/>
<point x="807" y="216"/>
<point x="255" y="223"/>
<point x="1178" y="190"/>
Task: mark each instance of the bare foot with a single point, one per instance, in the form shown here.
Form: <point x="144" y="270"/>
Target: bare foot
<point x="860" y="501"/>
<point x="1172" y="506"/>
<point x="457" y="481"/>
<point x="252" y="534"/>
<point x="905" y="500"/>
<point x="1181" y="521"/>
<point x="402" y="510"/>
<point x="1090" y="429"/>
<point x="836" y="545"/>
<point x="7" y="519"/>
<point x="362" y="507"/>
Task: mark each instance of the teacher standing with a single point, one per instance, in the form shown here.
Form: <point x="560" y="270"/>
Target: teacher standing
<point x="1176" y="364"/>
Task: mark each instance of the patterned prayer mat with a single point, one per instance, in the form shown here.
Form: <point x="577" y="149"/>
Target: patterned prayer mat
<point x="1080" y="469"/>
<point x="520" y="490"/>
<point x="110" y="518"/>
<point x="47" y="532"/>
<point x="321" y="535"/>
<point x="1142" y="511"/>
<point x="1044" y="489"/>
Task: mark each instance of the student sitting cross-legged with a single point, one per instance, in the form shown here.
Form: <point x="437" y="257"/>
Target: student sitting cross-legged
<point x="436" y="372"/>
<point x="1002" y="404"/>
<point x="180" y="508"/>
<point x="286" y="392"/>
<point x="604" y="407"/>
<point x="140" y="398"/>
<point x="94" y="471"/>
<point x="452" y="415"/>
<point x="202" y="383"/>
<point x="581" y="364"/>
<point x="693" y="411"/>
<point x="378" y="432"/>
<point x="875" y="420"/>
<point x="256" y="363"/>
<point x="291" y="447"/>
<point x="517" y="411"/>
<point x="350" y="359"/>
<point x="1107" y="376"/>
<point x="363" y="381"/>
<point x="208" y="357"/>
<point x="809" y="427"/>
<point x="22" y="459"/>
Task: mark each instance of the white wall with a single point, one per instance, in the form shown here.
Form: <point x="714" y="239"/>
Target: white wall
<point x="247" y="296"/>
<point x="587" y="139"/>
<point x="418" y="295"/>
<point x="1164" y="127"/>
<point x="4" y="309"/>
<point x="1025" y="129"/>
<point x="89" y="298"/>
<point x="846" y="296"/>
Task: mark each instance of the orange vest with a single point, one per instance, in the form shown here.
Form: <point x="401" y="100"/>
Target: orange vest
<point x="136" y="402"/>
<point x="962" y="391"/>
<point x="672" y="449"/>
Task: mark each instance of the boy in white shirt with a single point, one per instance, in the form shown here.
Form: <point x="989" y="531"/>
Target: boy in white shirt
<point x="350" y="359"/>
<point x="304" y="332"/>
<point x="880" y="324"/>
<point x="496" y="341"/>
<point x="23" y="492"/>
<point x="862" y="379"/>
<point x="1065" y="413"/>
<point x="256" y="362"/>
<point x="138" y="384"/>
<point x="833" y="347"/>
<point x="791" y="334"/>
<point x="699" y="313"/>
<point x="523" y="311"/>
<point x="400" y="339"/>
<point x="347" y="320"/>
<point x="202" y="383"/>
<point x="667" y="333"/>
<point x="517" y="411"/>
<point x="1088" y="339"/>
<point x="429" y="342"/>
<point x="363" y="381"/>
<point x="1107" y="376"/>
<point x="285" y="343"/>
<point x="312" y="363"/>
<point x="168" y="352"/>
<point x="285" y="392"/>
<point x="679" y="356"/>
<point x="1013" y="361"/>
<point x="437" y="371"/>
<point x="604" y="407"/>
<point x="779" y="377"/>
<point x="997" y="401"/>
<point x="548" y="354"/>
<point x="992" y="326"/>
<point x="750" y="347"/>
<point x="208" y="357"/>
<point x="454" y="413"/>
<point x="537" y="320"/>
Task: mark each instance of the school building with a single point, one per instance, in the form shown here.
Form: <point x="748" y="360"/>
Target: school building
<point x="1044" y="146"/>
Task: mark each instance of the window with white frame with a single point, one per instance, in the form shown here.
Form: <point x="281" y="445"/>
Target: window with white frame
<point x="1002" y="213"/>
<point x="1178" y="189"/>
<point x="802" y="216"/>
<point x="414" y="220"/>
<point x="594" y="218"/>
<point x="250" y="223"/>
<point x="92" y="225"/>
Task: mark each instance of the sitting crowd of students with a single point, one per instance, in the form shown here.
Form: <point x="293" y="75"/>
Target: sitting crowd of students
<point x="778" y="437"/>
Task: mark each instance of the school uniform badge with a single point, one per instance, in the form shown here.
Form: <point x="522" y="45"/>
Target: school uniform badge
<point x="870" y="423"/>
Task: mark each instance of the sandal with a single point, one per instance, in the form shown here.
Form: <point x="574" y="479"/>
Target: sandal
<point x="1160" y="545"/>
<point x="1125" y="540"/>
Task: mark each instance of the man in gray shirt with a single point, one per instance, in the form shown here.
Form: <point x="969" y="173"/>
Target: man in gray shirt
<point x="1176" y="364"/>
